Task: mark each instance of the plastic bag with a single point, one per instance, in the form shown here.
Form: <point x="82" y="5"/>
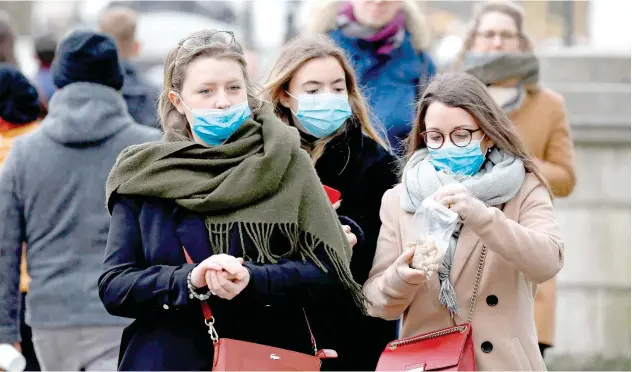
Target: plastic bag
<point x="433" y="227"/>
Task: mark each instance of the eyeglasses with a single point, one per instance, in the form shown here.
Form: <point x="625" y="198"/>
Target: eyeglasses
<point x="223" y="37"/>
<point x="504" y="35"/>
<point x="460" y="137"/>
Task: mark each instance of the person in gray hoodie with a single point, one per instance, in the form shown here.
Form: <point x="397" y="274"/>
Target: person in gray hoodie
<point x="52" y="197"/>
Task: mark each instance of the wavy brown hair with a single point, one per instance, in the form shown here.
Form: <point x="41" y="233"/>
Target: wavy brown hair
<point x="201" y="44"/>
<point x="305" y="48"/>
<point x="507" y="8"/>
<point x="462" y="90"/>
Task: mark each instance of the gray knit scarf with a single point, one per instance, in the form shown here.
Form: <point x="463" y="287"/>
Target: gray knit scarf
<point x="498" y="181"/>
<point x="494" y="68"/>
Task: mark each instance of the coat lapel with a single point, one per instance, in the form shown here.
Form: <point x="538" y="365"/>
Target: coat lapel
<point x="464" y="249"/>
<point x="192" y="235"/>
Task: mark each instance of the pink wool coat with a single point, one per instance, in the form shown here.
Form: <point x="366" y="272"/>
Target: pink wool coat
<point x="524" y="249"/>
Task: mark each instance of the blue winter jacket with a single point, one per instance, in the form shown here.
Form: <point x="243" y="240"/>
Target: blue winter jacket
<point x="390" y="83"/>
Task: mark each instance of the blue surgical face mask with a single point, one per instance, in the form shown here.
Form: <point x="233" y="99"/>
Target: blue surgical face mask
<point x="458" y="160"/>
<point x="322" y="114"/>
<point x="214" y="126"/>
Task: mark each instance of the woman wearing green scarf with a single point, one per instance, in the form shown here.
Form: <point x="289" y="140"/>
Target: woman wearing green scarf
<point x="230" y="183"/>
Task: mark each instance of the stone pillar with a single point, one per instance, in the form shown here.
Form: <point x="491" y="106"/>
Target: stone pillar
<point x="593" y="303"/>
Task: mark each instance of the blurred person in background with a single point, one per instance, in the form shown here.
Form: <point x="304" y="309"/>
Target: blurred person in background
<point x="51" y="198"/>
<point x="497" y="51"/>
<point x="19" y="114"/>
<point x="141" y="97"/>
<point x="252" y="59"/>
<point x="45" y="46"/>
<point x="229" y="183"/>
<point x="386" y="42"/>
<point x="7" y="39"/>
<point x="313" y="88"/>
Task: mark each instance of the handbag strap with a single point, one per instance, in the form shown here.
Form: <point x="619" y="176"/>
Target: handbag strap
<point x="209" y="320"/>
<point x="477" y="283"/>
<point x="479" y="274"/>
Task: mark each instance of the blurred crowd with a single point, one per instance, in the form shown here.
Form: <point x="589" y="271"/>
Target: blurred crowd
<point x="104" y="179"/>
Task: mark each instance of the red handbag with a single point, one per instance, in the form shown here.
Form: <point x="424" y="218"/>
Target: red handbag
<point x="235" y="355"/>
<point x="449" y="349"/>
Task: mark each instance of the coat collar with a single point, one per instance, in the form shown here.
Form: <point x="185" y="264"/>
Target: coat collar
<point x="319" y="16"/>
<point x="188" y="226"/>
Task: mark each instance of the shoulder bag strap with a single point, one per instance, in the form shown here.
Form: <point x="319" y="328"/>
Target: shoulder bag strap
<point x="209" y="320"/>
<point x="477" y="283"/>
<point x="479" y="274"/>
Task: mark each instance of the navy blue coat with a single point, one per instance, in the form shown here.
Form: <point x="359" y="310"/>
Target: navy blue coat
<point x="362" y="171"/>
<point x="145" y="279"/>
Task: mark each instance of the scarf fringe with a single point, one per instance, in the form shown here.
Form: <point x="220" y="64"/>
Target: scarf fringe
<point x="303" y="245"/>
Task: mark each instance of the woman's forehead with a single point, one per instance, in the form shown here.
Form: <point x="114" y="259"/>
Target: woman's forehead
<point x="443" y="117"/>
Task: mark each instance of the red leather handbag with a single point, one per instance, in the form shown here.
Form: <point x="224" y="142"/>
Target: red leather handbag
<point x="235" y="355"/>
<point x="449" y="349"/>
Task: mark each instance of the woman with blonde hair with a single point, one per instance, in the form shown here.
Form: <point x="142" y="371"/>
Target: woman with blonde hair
<point x="498" y="53"/>
<point x="226" y="210"/>
<point x="313" y="88"/>
<point x="465" y="154"/>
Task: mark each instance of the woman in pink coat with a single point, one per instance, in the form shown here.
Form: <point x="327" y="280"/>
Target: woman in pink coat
<point x="465" y="154"/>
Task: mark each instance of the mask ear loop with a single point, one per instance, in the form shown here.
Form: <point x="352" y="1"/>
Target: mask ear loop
<point x="295" y="118"/>
<point x="489" y="149"/>
<point x="184" y="104"/>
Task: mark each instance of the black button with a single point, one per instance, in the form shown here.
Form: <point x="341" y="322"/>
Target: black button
<point x="487" y="347"/>
<point x="492" y="300"/>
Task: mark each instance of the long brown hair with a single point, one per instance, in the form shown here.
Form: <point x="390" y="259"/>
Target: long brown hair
<point x="305" y="48"/>
<point x="507" y="8"/>
<point x="462" y="90"/>
<point x="197" y="45"/>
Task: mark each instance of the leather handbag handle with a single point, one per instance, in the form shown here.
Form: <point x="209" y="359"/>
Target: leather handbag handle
<point x="209" y="320"/>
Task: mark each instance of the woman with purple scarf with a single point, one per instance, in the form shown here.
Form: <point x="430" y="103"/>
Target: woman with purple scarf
<point x="386" y="42"/>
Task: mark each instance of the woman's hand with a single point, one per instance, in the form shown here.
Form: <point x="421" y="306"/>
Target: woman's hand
<point x="405" y="272"/>
<point x="351" y="238"/>
<point x="222" y="286"/>
<point x="218" y="262"/>
<point x="456" y="197"/>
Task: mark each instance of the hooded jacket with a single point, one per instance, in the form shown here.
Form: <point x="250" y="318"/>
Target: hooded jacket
<point x="52" y="196"/>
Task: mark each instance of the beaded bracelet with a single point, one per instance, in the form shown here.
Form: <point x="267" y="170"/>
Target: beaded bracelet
<point x="192" y="289"/>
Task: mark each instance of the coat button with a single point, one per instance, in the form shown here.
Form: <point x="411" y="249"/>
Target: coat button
<point x="165" y="306"/>
<point x="492" y="300"/>
<point x="487" y="347"/>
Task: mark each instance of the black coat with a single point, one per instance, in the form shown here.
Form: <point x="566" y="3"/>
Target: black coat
<point x="145" y="275"/>
<point x="362" y="171"/>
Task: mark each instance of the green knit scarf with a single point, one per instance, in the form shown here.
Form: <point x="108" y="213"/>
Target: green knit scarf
<point x="260" y="180"/>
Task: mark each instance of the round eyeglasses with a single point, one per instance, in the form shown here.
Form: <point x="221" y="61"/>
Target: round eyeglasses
<point x="460" y="137"/>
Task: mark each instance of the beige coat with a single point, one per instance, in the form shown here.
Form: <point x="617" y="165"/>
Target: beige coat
<point x="543" y="124"/>
<point x="524" y="249"/>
